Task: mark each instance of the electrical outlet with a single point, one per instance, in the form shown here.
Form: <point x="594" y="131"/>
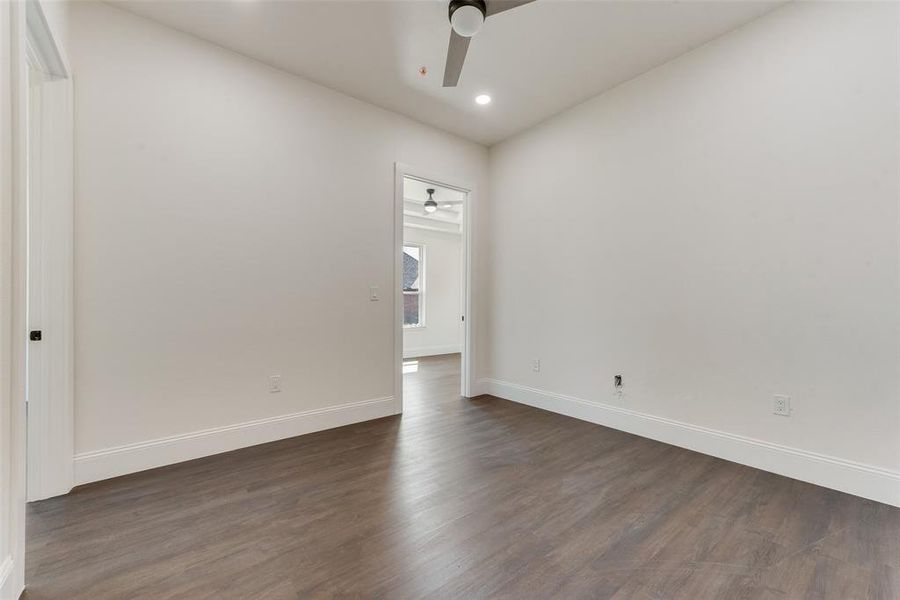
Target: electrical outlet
<point x="617" y="382"/>
<point x="274" y="384"/>
<point x="536" y="365"/>
<point x="781" y="405"/>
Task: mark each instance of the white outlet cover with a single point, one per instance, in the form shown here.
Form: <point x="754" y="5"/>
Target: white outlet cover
<point x="781" y="405"/>
<point x="274" y="384"/>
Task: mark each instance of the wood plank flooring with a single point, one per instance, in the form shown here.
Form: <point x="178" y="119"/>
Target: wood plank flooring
<point x="461" y="498"/>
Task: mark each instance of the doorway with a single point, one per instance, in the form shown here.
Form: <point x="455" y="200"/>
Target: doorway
<point x="432" y="286"/>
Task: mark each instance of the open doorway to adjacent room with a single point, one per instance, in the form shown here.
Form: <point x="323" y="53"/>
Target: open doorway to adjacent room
<point x="433" y="275"/>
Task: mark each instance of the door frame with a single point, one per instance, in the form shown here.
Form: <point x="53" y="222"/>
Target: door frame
<point x="13" y="86"/>
<point x="31" y="44"/>
<point x="467" y="375"/>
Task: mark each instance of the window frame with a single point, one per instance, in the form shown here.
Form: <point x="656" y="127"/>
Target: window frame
<point x="421" y="291"/>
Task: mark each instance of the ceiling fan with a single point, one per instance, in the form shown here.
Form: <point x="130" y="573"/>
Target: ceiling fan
<point x="466" y="18"/>
<point x="431" y="205"/>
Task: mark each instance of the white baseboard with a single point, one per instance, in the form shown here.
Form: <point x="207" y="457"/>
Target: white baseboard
<point x="10" y="589"/>
<point x="121" y="460"/>
<point x="430" y="351"/>
<point x="870" y="482"/>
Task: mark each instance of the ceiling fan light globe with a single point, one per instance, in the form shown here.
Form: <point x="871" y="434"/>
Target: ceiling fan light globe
<point x="467" y="20"/>
<point x="430" y="206"/>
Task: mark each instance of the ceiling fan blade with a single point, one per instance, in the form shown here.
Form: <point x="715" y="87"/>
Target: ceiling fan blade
<point x="456" y="55"/>
<point x="443" y="202"/>
<point x="498" y="6"/>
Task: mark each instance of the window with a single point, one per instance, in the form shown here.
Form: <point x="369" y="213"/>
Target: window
<point x="413" y="288"/>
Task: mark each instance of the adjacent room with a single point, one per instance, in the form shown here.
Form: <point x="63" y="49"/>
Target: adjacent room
<point x="453" y="299"/>
<point x="434" y="273"/>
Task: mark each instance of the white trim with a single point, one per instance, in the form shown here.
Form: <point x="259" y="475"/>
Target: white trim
<point x="397" y="283"/>
<point x="430" y="350"/>
<point x="452" y="224"/>
<point x="13" y="148"/>
<point x="6" y="581"/>
<point x="411" y="225"/>
<point x="868" y="481"/>
<point x="41" y="47"/>
<point x="414" y="210"/>
<point x="131" y="458"/>
<point x="467" y="291"/>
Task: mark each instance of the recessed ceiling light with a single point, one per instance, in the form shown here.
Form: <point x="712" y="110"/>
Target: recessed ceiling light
<point x="483" y="99"/>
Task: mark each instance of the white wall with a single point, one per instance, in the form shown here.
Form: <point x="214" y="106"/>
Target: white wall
<point x="230" y="220"/>
<point x="718" y="230"/>
<point x="443" y="294"/>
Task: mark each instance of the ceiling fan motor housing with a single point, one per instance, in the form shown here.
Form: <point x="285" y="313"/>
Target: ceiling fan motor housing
<point x="430" y="204"/>
<point x="468" y="26"/>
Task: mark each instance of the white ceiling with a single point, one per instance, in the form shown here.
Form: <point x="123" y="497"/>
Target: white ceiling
<point x="535" y="60"/>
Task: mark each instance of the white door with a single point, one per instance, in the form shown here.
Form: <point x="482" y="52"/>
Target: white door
<point x="49" y="302"/>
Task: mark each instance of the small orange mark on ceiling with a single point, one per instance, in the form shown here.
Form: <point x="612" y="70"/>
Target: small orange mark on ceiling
<point x="423" y="71"/>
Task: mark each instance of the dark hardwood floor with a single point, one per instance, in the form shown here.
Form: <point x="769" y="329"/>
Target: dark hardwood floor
<point x="461" y="498"/>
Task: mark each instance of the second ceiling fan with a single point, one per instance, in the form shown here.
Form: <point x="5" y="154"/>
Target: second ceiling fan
<point x="431" y="205"/>
<point x="466" y="18"/>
